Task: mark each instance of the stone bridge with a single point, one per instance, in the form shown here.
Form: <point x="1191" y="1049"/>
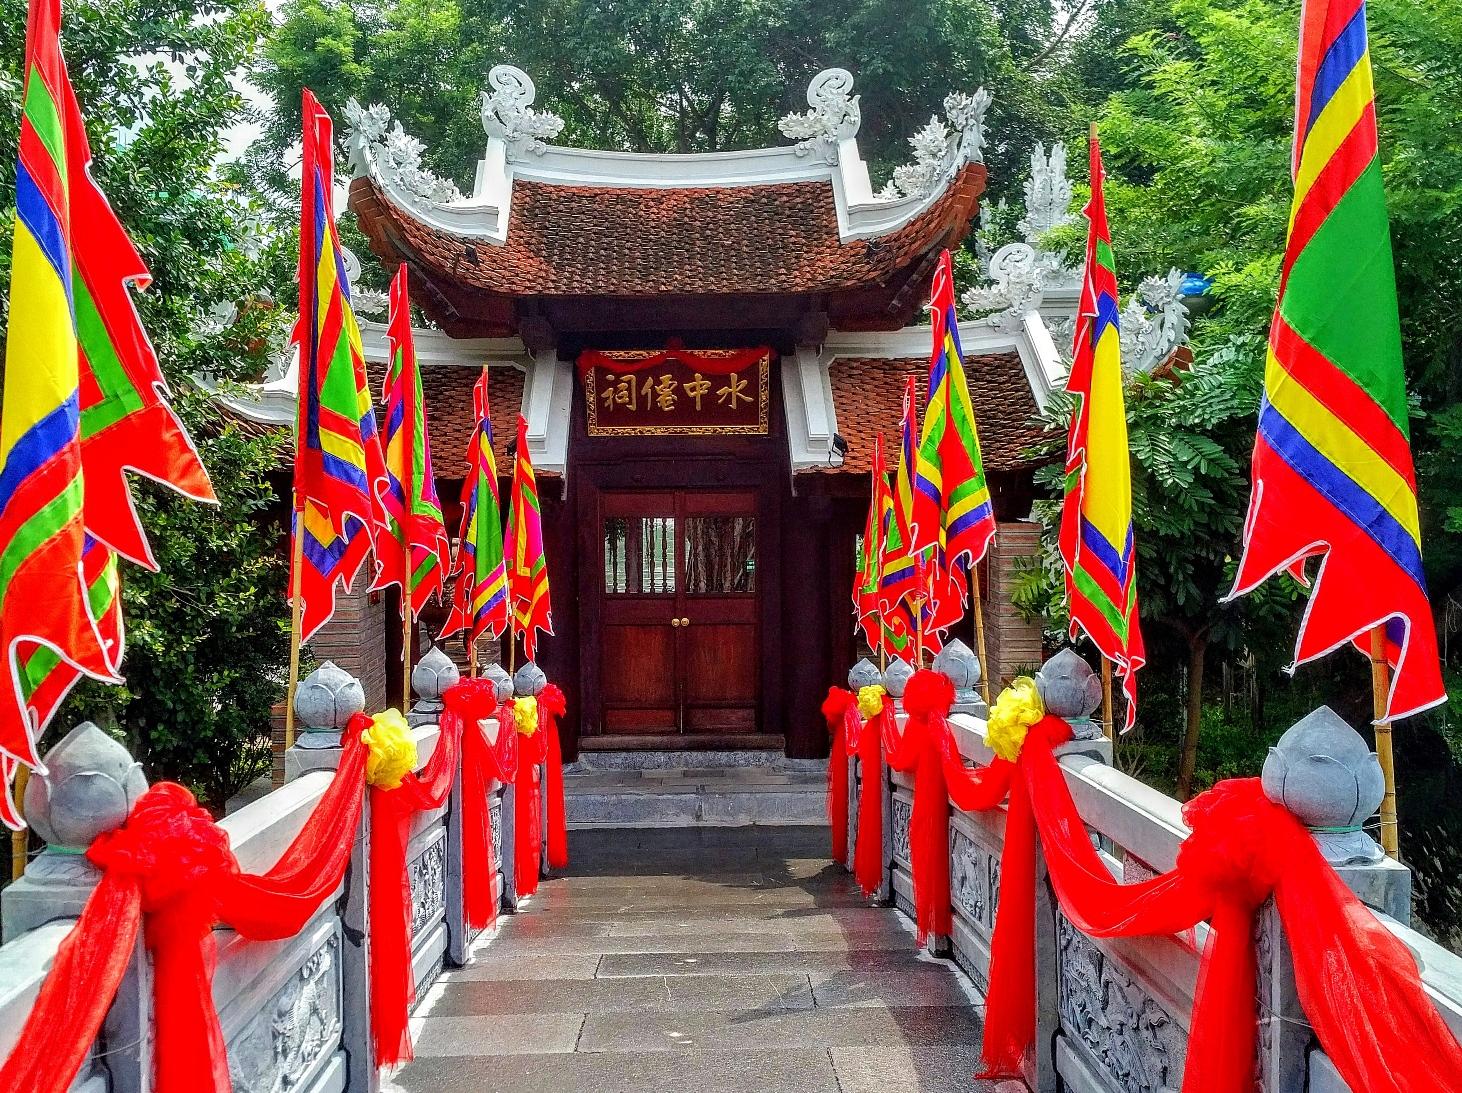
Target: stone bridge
<point x="704" y="956"/>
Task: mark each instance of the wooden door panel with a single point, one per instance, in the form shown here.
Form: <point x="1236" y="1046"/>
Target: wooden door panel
<point x="638" y="666"/>
<point x="720" y="664"/>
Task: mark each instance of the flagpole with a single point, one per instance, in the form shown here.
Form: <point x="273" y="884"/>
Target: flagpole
<point x="296" y="611"/>
<point x="1107" y="723"/>
<point x="406" y="604"/>
<point x="471" y="655"/>
<point x="980" y="634"/>
<point x="19" y="840"/>
<point x="1380" y="689"/>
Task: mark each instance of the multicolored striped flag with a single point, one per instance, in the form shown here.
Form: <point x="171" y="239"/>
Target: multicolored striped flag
<point x="951" y="509"/>
<point x="866" y="587"/>
<point x="1096" y="517"/>
<point x="126" y="422"/>
<point x="1332" y="470"/>
<point x="527" y="567"/>
<point x="339" y="469"/>
<point x="908" y="582"/>
<point x="480" y="603"/>
<point x="49" y="630"/>
<point x="414" y="531"/>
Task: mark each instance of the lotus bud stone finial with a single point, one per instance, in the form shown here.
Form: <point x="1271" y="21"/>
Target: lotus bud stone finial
<point x="325" y="701"/>
<point x="957" y="663"/>
<point x="433" y="674"/>
<point x="896" y="677"/>
<point x="90" y="786"/>
<point x="864" y="674"/>
<point x="1323" y="772"/>
<point x="1070" y="689"/>
<point x="529" y="679"/>
<point x="502" y="682"/>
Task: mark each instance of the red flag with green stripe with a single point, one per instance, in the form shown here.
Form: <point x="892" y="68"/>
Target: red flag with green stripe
<point x="415" y="538"/>
<point x="527" y="566"/>
<point x="1333" y="475"/>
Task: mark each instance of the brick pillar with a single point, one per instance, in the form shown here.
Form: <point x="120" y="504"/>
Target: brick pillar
<point x="1013" y="644"/>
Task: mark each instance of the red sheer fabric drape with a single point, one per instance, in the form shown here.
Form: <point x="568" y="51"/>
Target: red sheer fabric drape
<point x="393" y="983"/>
<point x="839" y="708"/>
<point x="170" y="867"/>
<point x="527" y="808"/>
<point x="467" y="705"/>
<point x="919" y="752"/>
<point x="868" y="863"/>
<point x="551" y="706"/>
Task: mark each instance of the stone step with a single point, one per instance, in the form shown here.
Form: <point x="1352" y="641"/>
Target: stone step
<point x="678" y="759"/>
<point x="697" y="795"/>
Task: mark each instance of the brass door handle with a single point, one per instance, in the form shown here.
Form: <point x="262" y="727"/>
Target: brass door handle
<point x="684" y="622"/>
<point x="674" y="622"/>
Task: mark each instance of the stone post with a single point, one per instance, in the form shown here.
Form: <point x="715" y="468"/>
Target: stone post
<point x="430" y="678"/>
<point x="895" y="678"/>
<point x="324" y="703"/>
<point x="528" y="680"/>
<point x="957" y="663"/>
<point x="863" y="674"/>
<point x="507" y="860"/>
<point x="90" y="787"/>
<point x="1071" y="690"/>
<point x="1323" y="772"/>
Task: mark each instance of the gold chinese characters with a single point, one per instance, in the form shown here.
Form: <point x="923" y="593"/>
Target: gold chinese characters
<point x="632" y="393"/>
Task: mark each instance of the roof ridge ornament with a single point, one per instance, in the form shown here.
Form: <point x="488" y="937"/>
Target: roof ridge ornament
<point x="376" y="149"/>
<point x="508" y="114"/>
<point x="834" y="117"/>
<point x="940" y="150"/>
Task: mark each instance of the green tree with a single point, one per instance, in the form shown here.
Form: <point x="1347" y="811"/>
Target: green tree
<point x="208" y="636"/>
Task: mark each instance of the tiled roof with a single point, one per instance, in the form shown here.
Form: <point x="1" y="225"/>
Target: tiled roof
<point x="449" y="420"/>
<point x="625" y="242"/>
<point x="868" y="395"/>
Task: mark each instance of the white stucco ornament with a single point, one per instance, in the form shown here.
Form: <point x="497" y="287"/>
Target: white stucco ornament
<point x="508" y="114"/>
<point x="376" y="149"/>
<point x="834" y="116"/>
<point x="942" y="147"/>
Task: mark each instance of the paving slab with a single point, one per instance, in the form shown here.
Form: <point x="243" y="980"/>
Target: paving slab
<point x="720" y="960"/>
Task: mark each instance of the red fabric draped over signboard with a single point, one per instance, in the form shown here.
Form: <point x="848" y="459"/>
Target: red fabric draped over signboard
<point x="720" y="362"/>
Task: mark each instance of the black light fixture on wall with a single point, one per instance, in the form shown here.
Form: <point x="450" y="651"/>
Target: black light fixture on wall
<point x="839" y="448"/>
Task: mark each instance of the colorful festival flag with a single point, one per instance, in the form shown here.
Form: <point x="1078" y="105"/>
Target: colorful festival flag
<point x="480" y="602"/>
<point x="126" y="421"/>
<point x="339" y="466"/>
<point x="527" y="567"/>
<point x="1332" y="471"/>
<point x="49" y="630"/>
<point x="951" y="507"/>
<point x="414" y="538"/>
<point x="866" y="588"/>
<point x="1096" y="517"/>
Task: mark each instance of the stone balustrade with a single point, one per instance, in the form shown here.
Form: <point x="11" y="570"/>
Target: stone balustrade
<point x="1113" y="1014"/>
<point x="295" y="1013"/>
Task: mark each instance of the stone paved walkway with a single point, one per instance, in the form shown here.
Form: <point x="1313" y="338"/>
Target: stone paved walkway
<point x="702" y="960"/>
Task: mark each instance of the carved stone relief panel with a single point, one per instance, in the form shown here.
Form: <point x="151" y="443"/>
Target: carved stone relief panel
<point x="1125" y="1029"/>
<point x="901" y="813"/>
<point x="968" y="878"/>
<point x="993" y="868"/>
<point x="495" y="814"/>
<point x="277" y="1050"/>
<point x="428" y="885"/>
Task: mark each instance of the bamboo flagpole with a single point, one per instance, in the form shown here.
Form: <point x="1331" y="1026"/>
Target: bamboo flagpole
<point x="980" y="634"/>
<point x="19" y="840"/>
<point x="296" y="612"/>
<point x="1107" y="722"/>
<point x="471" y="656"/>
<point x="1380" y="690"/>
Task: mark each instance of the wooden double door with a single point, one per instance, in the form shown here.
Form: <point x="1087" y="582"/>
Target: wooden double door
<point x="680" y="649"/>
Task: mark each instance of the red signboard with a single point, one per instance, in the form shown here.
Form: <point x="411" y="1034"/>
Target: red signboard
<point x="676" y="392"/>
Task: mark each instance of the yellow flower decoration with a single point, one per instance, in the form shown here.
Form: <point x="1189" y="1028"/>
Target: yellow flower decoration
<point x="870" y="701"/>
<point x="525" y="713"/>
<point x="392" y="750"/>
<point x="1016" y="710"/>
